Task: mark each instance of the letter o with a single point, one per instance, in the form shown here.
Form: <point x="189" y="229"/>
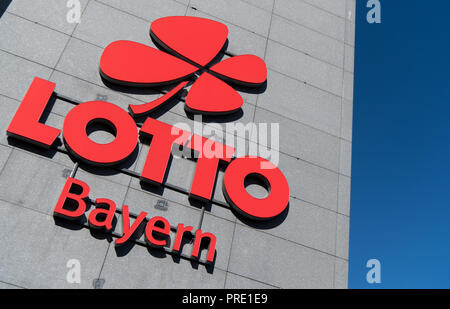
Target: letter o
<point x="78" y="142"/>
<point x="244" y="203"/>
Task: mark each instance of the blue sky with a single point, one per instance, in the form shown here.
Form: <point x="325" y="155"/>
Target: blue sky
<point x="400" y="201"/>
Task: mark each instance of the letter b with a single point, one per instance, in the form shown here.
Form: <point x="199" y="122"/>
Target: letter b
<point x="70" y="197"/>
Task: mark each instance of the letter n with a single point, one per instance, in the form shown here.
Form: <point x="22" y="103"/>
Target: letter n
<point x="199" y="236"/>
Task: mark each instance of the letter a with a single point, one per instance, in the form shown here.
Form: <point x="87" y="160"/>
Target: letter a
<point x="374" y="15"/>
<point x="101" y="210"/>
<point x="373" y="275"/>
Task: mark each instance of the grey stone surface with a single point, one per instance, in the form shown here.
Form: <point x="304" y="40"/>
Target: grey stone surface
<point x="31" y="182"/>
<point x="240" y="41"/>
<point x="351" y="11"/>
<point x="7" y="109"/>
<point x="181" y="172"/>
<point x="350" y="23"/>
<point x="81" y="59"/>
<point x="264" y="4"/>
<point x="350" y="34"/>
<point x="307" y="41"/>
<point x="176" y="213"/>
<point x="8" y="286"/>
<point x="84" y="91"/>
<point x="236" y="12"/>
<point x="223" y="230"/>
<point x="103" y="187"/>
<point x="140" y="268"/>
<point x="310" y="144"/>
<point x="342" y="236"/>
<point x="346" y="158"/>
<point x="217" y="125"/>
<point x="177" y="198"/>
<point x="349" y="60"/>
<point x="305" y="224"/>
<point x="238" y="282"/>
<point x="29" y="40"/>
<point x="341" y="274"/>
<point x="61" y="108"/>
<point x="17" y="74"/>
<point x="41" y="263"/>
<point x="103" y="25"/>
<point x="4" y="155"/>
<point x="348" y="86"/>
<point x="347" y="120"/>
<point x="49" y="13"/>
<point x="304" y="68"/>
<point x="249" y="97"/>
<point x="279" y="262"/>
<point x="344" y="195"/>
<point x="336" y="7"/>
<point x="311" y="17"/>
<point x="310" y="183"/>
<point x="148" y="9"/>
<point x="185" y="2"/>
<point x="307" y="182"/>
<point x="297" y="101"/>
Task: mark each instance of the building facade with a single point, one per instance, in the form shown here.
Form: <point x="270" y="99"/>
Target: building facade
<point x="308" y="48"/>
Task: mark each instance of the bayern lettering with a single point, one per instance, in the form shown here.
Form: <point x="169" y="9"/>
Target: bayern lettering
<point x="72" y="205"/>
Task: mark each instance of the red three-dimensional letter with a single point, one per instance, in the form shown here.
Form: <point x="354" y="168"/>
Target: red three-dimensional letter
<point x="239" y="198"/>
<point x="156" y="236"/>
<point x="25" y="124"/>
<point x="199" y="236"/>
<point x="79" y="143"/>
<point x="108" y="211"/>
<point x="75" y="198"/>
<point x="127" y="230"/>
<point x="207" y="164"/>
<point x="163" y="137"/>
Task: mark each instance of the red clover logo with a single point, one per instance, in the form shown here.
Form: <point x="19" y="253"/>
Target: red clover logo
<point x="194" y="43"/>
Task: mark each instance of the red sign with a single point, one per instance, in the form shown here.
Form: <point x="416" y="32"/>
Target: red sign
<point x="157" y="229"/>
<point x="26" y="125"/>
<point x="195" y="42"/>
